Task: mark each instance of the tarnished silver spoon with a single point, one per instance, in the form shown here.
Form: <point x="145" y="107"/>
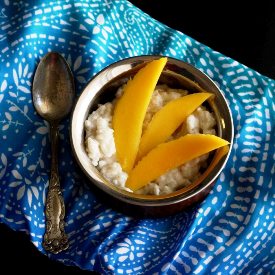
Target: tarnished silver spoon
<point x="53" y="96"/>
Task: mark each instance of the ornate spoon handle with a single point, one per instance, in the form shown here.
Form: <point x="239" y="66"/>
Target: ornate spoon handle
<point x="55" y="238"/>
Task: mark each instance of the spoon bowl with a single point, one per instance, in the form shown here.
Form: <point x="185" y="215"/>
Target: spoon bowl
<point x="53" y="96"/>
<point x="53" y="88"/>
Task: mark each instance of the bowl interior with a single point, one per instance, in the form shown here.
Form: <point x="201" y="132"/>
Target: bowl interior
<point x="102" y="88"/>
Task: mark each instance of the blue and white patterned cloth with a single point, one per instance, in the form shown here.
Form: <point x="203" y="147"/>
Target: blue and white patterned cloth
<point x="231" y="231"/>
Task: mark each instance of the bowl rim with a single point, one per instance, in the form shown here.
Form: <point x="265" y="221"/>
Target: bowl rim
<point x="152" y="200"/>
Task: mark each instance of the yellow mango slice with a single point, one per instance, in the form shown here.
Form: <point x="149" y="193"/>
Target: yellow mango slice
<point x="170" y="155"/>
<point x="130" y="111"/>
<point x="168" y="119"/>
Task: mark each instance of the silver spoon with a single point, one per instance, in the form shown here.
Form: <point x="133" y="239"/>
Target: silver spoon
<point x="53" y="96"/>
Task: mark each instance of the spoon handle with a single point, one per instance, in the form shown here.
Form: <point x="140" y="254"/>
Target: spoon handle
<point x="55" y="238"/>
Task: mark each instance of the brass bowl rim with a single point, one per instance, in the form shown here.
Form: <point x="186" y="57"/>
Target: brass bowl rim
<point x="149" y="200"/>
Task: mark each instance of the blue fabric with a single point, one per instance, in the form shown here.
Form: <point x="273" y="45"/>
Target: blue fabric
<point x="231" y="231"/>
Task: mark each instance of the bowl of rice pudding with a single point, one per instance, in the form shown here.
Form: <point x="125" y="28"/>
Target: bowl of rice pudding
<point x="94" y="147"/>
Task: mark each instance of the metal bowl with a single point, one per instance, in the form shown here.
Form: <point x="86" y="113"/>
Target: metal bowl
<point x="102" y="88"/>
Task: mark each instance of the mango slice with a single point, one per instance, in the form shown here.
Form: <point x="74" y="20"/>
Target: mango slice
<point x="130" y="111"/>
<point x="168" y="119"/>
<point x="170" y="155"/>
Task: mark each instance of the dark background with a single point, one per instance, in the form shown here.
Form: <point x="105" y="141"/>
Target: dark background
<point x="245" y="33"/>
